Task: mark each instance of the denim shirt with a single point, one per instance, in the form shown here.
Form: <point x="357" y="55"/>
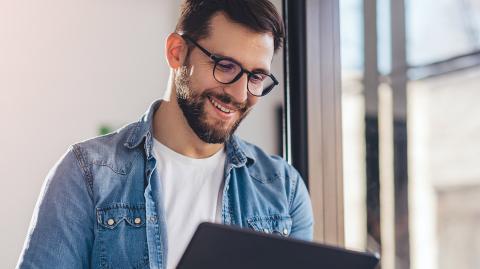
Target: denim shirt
<point x="101" y="205"/>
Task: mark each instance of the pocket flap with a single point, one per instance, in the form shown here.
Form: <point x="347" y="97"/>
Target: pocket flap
<point x="275" y="224"/>
<point x="110" y="217"/>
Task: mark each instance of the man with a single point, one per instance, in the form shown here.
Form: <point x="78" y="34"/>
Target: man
<point x="133" y="198"/>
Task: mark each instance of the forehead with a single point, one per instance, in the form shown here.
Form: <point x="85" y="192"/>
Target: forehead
<point x="253" y="50"/>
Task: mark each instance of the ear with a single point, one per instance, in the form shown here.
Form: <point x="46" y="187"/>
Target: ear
<point x="175" y="50"/>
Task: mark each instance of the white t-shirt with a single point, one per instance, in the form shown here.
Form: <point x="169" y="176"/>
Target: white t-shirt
<point x="191" y="189"/>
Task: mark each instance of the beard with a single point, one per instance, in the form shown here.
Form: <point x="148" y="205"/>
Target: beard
<point x="193" y="104"/>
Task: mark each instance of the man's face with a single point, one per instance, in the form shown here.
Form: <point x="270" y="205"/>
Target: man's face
<point x="214" y="110"/>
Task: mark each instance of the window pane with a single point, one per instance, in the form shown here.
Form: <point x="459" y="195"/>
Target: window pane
<point x="438" y="30"/>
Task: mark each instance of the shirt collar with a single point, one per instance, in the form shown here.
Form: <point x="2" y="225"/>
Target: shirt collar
<point x="238" y="153"/>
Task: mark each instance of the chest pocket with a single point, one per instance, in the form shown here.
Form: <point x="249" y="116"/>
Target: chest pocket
<point x="121" y="234"/>
<point x="276" y="224"/>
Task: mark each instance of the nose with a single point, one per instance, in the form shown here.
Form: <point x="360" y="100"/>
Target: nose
<point x="238" y="90"/>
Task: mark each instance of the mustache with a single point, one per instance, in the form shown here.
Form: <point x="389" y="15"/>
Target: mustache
<point x="227" y="99"/>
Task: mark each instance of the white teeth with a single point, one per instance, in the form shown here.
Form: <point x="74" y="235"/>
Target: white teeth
<point x="217" y="105"/>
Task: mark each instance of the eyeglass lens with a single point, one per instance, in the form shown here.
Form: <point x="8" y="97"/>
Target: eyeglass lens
<point x="227" y="71"/>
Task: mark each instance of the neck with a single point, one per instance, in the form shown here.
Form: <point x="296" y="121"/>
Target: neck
<point x="172" y="130"/>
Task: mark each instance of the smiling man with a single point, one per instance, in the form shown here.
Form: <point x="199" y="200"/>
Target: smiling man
<point x="133" y="198"/>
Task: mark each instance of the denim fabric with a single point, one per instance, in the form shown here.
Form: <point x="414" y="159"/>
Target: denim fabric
<point x="101" y="204"/>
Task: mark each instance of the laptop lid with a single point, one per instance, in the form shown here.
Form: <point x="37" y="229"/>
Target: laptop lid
<point x="220" y="246"/>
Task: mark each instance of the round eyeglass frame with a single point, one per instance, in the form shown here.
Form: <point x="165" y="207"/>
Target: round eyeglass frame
<point x="216" y="59"/>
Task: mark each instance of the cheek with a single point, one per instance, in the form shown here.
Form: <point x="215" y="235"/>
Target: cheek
<point x="201" y="80"/>
<point x="252" y="100"/>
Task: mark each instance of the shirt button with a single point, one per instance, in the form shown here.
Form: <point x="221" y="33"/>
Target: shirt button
<point x="285" y="231"/>
<point x="152" y="219"/>
<point x="266" y="230"/>
<point x="110" y="222"/>
<point x="138" y="220"/>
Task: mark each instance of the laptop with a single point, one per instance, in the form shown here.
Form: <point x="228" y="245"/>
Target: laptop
<point x="219" y="246"/>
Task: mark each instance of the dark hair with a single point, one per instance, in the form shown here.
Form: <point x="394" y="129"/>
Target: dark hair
<point x="257" y="15"/>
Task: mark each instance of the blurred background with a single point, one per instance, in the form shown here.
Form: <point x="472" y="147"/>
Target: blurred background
<point x="410" y="76"/>
<point x="410" y="92"/>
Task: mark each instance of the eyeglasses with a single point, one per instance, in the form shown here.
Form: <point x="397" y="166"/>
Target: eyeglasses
<point x="228" y="71"/>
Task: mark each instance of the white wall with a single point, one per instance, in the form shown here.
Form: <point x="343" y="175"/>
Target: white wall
<point x="68" y="66"/>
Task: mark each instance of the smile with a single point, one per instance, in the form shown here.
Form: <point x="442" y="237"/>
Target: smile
<point x="220" y="107"/>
